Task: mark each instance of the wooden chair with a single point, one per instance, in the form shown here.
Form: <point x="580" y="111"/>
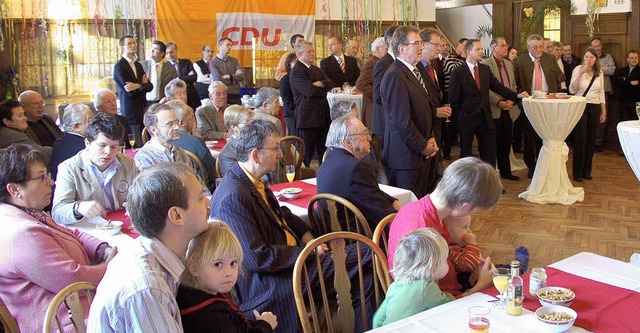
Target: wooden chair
<point x="70" y="298"/>
<point x="326" y="211"/>
<point x="381" y="233"/>
<point x="196" y="160"/>
<point x="9" y="324"/>
<point x="146" y="135"/>
<point x="218" y="172"/>
<point x="321" y="315"/>
<point x="292" y="154"/>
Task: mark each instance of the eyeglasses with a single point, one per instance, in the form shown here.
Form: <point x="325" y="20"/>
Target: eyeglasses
<point x="366" y="132"/>
<point x="42" y="178"/>
<point x="170" y="124"/>
<point x="277" y="148"/>
<point x="536" y="47"/>
<point x="417" y="43"/>
<point x="432" y="43"/>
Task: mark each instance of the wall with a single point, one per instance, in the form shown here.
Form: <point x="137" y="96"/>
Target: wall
<point x="613" y="6"/>
<point x="473" y="16"/>
<point x="332" y="9"/>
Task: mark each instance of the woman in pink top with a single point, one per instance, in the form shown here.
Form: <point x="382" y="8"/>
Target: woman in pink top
<point x="38" y="257"/>
<point x="467" y="185"/>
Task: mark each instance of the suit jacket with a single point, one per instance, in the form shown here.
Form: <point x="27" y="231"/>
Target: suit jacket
<point x="64" y="148"/>
<point x="331" y="69"/>
<point x="9" y="136"/>
<point x="630" y="94"/>
<point x="208" y="123"/>
<point x="568" y="68"/>
<point x="355" y="180"/>
<point x="288" y="104"/>
<point x="76" y="182"/>
<point x="467" y="100"/>
<point x="379" y="117"/>
<point x="494" y="98"/>
<point x="365" y="85"/>
<point x="167" y="73"/>
<point x="132" y="103"/>
<point x="409" y="115"/>
<point x="45" y="130"/>
<point x="435" y="95"/>
<point x="523" y="72"/>
<point x="185" y="67"/>
<point x="312" y="107"/>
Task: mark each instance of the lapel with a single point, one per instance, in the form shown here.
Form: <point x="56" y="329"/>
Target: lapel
<point x="470" y="80"/>
<point x="268" y="211"/>
<point x="90" y="179"/>
<point x="412" y="78"/>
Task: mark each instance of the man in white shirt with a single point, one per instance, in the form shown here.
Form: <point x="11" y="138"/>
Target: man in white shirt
<point x="158" y="72"/>
<point x="203" y="72"/>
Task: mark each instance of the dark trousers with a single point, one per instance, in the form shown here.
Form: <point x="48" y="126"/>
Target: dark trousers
<point x="504" y="127"/>
<point x="584" y="140"/>
<point x="602" y="130"/>
<point x="314" y="141"/>
<point x="415" y="180"/>
<point x="516" y="137"/>
<point x="202" y="89"/>
<point x="532" y="144"/>
<point x="449" y="136"/>
<point x="628" y="111"/>
<point x="470" y="125"/>
<point x="290" y="122"/>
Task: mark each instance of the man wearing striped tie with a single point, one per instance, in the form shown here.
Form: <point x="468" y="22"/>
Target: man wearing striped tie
<point x="338" y="66"/>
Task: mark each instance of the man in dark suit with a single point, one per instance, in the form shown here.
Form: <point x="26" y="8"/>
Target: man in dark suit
<point x="185" y="71"/>
<point x="408" y="137"/>
<point x="339" y="67"/>
<point x="628" y="79"/>
<point x="379" y="117"/>
<point x="132" y="84"/>
<point x="525" y="72"/>
<point x="271" y="236"/>
<point x="42" y="128"/>
<point x="345" y="172"/>
<point x="469" y="97"/>
<point x="569" y="62"/>
<point x="75" y="122"/>
<point x="310" y="87"/>
<point x="158" y="72"/>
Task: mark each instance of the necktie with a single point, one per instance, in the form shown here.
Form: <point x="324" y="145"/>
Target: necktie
<point x="476" y="74"/>
<point x="419" y="77"/>
<point x="431" y="74"/>
<point x="175" y="65"/>
<point x="341" y="63"/>
<point x="537" y="73"/>
<point x="503" y="75"/>
<point x="156" y="84"/>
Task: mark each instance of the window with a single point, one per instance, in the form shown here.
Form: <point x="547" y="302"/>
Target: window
<point x="552" y="25"/>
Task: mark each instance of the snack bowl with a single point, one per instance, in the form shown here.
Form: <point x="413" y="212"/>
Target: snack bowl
<point x="110" y="228"/>
<point x="540" y="94"/>
<point x="555" y="296"/>
<point x="562" y="95"/>
<point x="211" y="144"/>
<point x="291" y="192"/>
<point x="557" y="324"/>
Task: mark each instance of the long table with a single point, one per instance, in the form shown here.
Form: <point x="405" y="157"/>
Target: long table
<point x="453" y="316"/>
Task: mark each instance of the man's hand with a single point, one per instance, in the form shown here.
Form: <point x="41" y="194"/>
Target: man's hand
<point x="318" y="84"/>
<point x="130" y="86"/>
<point x="91" y="209"/>
<point x="443" y="111"/>
<point x="523" y="94"/>
<point x="145" y="79"/>
<point x="431" y="149"/>
<point x="634" y="82"/>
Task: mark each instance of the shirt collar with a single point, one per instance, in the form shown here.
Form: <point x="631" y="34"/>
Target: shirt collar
<point x="164" y="256"/>
<point x="410" y="66"/>
<point x="470" y="65"/>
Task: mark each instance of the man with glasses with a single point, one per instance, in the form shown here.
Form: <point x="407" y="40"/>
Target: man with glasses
<point x="203" y="72"/>
<point x="186" y="73"/>
<point x="42" y="128"/>
<point x="408" y="137"/>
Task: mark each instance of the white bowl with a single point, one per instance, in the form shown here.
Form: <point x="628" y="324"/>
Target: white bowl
<point x="563" y="301"/>
<point x="291" y="192"/>
<point x="110" y="229"/>
<point x="211" y="144"/>
<point x="557" y="325"/>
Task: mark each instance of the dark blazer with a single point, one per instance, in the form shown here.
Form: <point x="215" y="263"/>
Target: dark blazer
<point x="568" y="68"/>
<point x="379" y="117"/>
<point x="365" y="85"/>
<point x="629" y="94"/>
<point x="168" y="73"/>
<point x="523" y="71"/>
<point x="435" y="95"/>
<point x="331" y="69"/>
<point x="312" y="107"/>
<point x="45" y="130"/>
<point x="409" y="118"/>
<point x="288" y="103"/>
<point x="132" y="103"/>
<point x="64" y="148"/>
<point x="189" y="76"/>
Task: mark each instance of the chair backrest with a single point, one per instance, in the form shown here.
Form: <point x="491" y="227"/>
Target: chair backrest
<point x="70" y="299"/>
<point x="381" y="233"/>
<point x="9" y="324"/>
<point x="349" y="273"/>
<point x="329" y="213"/>
<point x="292" y="154"/>
<point x="218" y="172"/>
<point x="146" y="135"/>
<point x="198" y="162"/>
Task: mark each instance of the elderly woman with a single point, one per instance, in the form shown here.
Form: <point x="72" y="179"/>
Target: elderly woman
<point x="38" y="257"/>
<point x="75" y="121"/>
<point x="235" y="117"/>
<point x="14" y="127"/>
<point x="176" y="89"/>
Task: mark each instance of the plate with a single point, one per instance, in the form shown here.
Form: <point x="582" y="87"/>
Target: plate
<point x="211" y="144"/>
<point x="291" y="192"/>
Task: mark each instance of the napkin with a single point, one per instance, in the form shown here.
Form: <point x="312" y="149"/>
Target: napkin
<point x="308" y="191"/>
<point x="127" y="227"/>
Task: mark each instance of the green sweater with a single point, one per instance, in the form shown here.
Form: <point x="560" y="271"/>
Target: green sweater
<point x="404" y="300"/>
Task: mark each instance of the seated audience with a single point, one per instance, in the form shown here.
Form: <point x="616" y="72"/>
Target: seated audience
<point x="203" y="296"/>
<point x="420" y="261"/>
<point x="210" y="116"/>
<point x="75" y="121"/>
<point x="176" y="89"/>
<point x="267" y="106"/>
<point x="97" y="179"/>
<point x="15" y="129"/>
<point x="38" y="257"/>
<point x="138" y="293"/>
<point x="235" y="117"/>
<point x="43" y="128"/>
<point x="468" y="184"/>
<point x="105" y="101"/>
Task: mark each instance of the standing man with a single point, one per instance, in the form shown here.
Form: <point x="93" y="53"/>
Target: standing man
<point x="310" y="87"/>
<point x="408" y="137"/>
<point x="608" y="67"/>
<point x="535" y="70"/>
<point x="281" y="67"/>
<point x="133" y="85"/>
<point x="351" y="49"/>
<point x="569" y="62"/>
<point x="557" y="53"/>
<point x="504" y="112"/>
<point x="158" y="72"/>
<point x="186" y="73"/>
<point x="227" y="69"/>
<point x="628" y="79"/>
<point x="203" y="72"/>
<point x="548" y="45"/>
<point x="339" y="67"/>
<point x="364" y="83"/>
<point x="42" y="128"/>
<point x="379" y="115"/>
<point x="168" y="208"/>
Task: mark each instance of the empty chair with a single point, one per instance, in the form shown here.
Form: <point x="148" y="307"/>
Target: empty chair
<point x="9" y="324"/>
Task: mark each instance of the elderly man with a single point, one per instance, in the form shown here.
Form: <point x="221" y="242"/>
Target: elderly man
<point x="14" y="127"/>
<point x="408" y="137"/>
<point x="271" y="236"/>
<point x="310" y="87"/>
<point x="548" y="45"/>
<point x="608" y="68"/>
<point x="210" y="116"/>
<point x="557" y="53"/>
<point x="569" y="62"/>
<point x="203" y="72"/>
<point x="75" y="121"/>
<point x="137" y="294"/>
<point x="192" y="143"/>
<point x="267" y="105"/>
<point x="176" y="89"/>
<point x="379" y="115"/>
<point x="158" y="71"/>
<point x="227" y="69"/>
<point x="105" y="101"/>
<point x="97" y="179"/>
<point x="351" y="49"/>
<point x="365" y="80"/>
<point x="42" y="128"/>
<point x="339" y="67"/>
<point x="346" y="174"/>
<point x="186" y="73"/>
<point x="282" y="65"/>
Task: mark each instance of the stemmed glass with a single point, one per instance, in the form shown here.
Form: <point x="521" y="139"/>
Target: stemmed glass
<point x="447" y="106"/>
<point x="291" y="172"/>
<point x="501" y="282"/>
<point x="132" y="140"/>
<point x="638" y="109"/>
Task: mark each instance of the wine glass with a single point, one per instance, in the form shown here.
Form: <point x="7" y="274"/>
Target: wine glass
<point x="638" y="109"/>
<point x="447" y="105"/>
<point x="132" y="139"/>
<point x="291" y="172"/>
<point x="345" y="87"/>
<point x="500" y="281"/>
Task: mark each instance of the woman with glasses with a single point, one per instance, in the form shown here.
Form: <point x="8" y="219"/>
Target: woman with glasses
<point x="38" y="257"/>
<point x="14" y="127"/>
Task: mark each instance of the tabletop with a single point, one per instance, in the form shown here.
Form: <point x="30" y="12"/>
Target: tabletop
<point x="629" y="134"/>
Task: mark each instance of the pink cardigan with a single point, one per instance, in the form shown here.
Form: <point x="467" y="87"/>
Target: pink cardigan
<point x="37" y="261"/>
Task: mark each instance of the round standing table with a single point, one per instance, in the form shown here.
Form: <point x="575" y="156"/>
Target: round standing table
<point x="629" y="134"/>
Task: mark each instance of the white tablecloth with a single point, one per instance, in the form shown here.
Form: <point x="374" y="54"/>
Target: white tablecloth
<point x="355" y="98"/>
<point x="453" y="316"/>
<point x="553" y="120"/>
<point x="629" y="134"/>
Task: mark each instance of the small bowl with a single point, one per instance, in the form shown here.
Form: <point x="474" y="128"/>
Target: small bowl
<point x="291" y="192"/>
<point x="110" y="229"/>
<point x="540" y="94"/>
<point x="211" y="144"/>
<point x="561" y="95"/>
<point x="565" y="300"/>
<point x="557" y="325"/>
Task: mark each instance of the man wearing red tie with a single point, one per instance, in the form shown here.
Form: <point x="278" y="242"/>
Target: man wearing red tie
<point x="338" y="66"/>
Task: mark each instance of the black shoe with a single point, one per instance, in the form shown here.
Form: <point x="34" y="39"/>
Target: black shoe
<point x="510" y="177"/>
<point x="578" y="179"/>
<point x="530" y="174"/>
<point x="588" y="177"/>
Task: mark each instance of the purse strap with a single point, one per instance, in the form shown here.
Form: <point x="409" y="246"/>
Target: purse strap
<point x="590" y="84"/>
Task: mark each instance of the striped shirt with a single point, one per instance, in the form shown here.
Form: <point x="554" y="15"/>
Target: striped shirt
<point x="465" y="258"/>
